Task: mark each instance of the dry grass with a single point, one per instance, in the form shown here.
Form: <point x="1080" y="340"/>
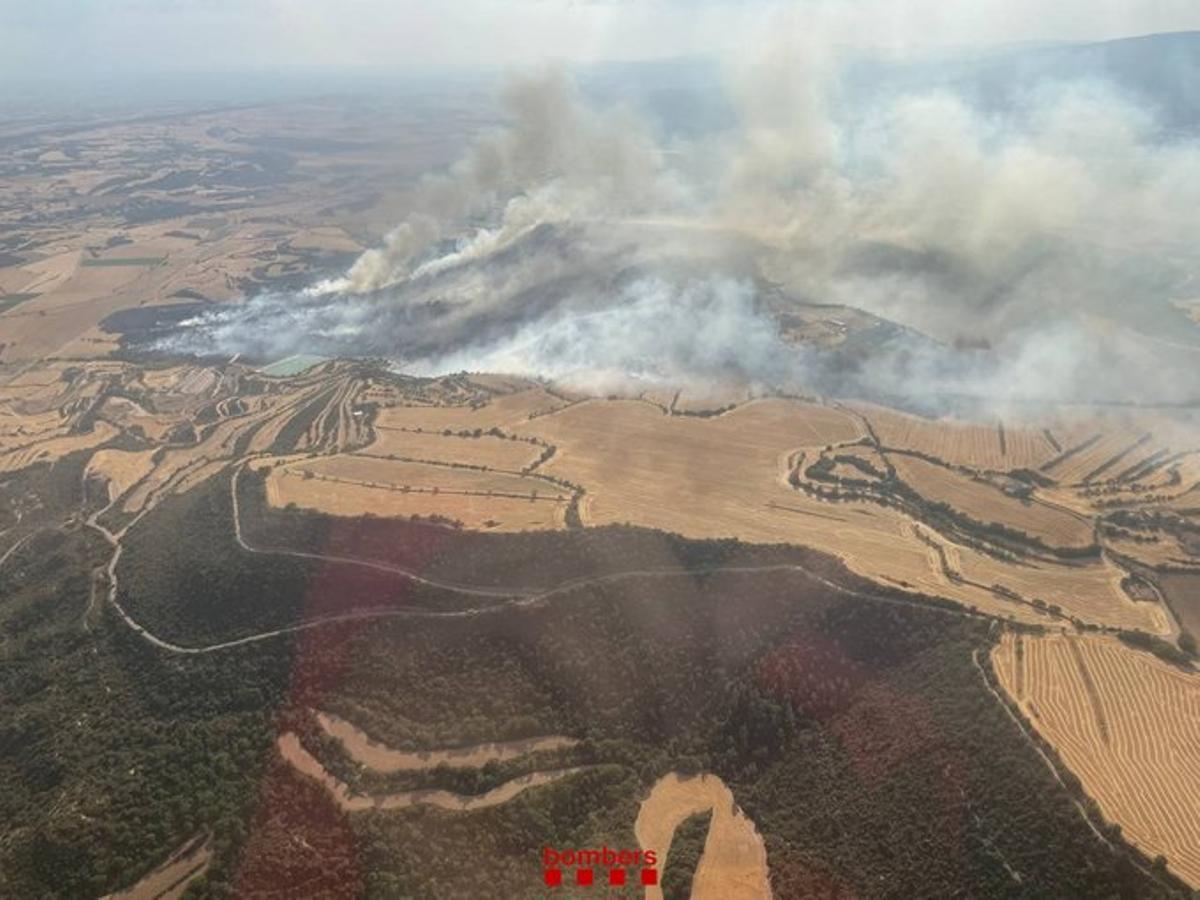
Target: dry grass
<point x="20" y="430"/>
<point x="182" y="468"/>
<point x="1127" y="724"/>
<point x="1091" y="592"/>
<point x="986" y="503"/>
<point x="1161" y="550"/>
<point x="734" y="863"/>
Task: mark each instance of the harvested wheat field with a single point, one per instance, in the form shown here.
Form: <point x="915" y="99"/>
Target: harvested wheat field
<point x="726" y="476"/>
<point x="1092" y="592"/>
<point x="734" y="864"/>
<point x="986" y="503"/>
<point x="395" y="474"/>
<point x="995" y="446"/>
<point x="381" y="758"/>
<point x="485" y="501"/>
<point x="304" y="762"/>
<point x="486" y="450"/>
<point x="1127" y="724"/>
<point x="1104" y="455"/>
<point x="502" y="411"/>
<point x="53" y="448"/>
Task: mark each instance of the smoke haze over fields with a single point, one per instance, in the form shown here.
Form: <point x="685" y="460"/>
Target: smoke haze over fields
<point x="1050" y="226"/>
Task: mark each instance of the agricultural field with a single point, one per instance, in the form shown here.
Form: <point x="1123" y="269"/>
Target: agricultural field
<point x="270" y="617"/>
<point x="501" y="411"/>
<point x="734" y="859"/>
<point x="997" y="446"/>
<point x="987" y="503"/>
<point x="1183" y="593"/>
<point x="448" y="495"/>
<point x="1126" y="724"/>
<point x="490" y="451"/>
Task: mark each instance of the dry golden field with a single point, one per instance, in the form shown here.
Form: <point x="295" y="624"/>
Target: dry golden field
<point x="960" y="443"/>
<point x="1127" y="724"/>
<point x="476" y="511"/>
<point x="704" y="477"/>
<point x="734" y="863"/>
<point x="726" y="476"/>
<point x="1154" y="550"/>
<point x="1106" y="456"/>
<point x="394" y="474"/>
<point x="122" y="469"/>
<point x="487" y="450"/>
<point x="52" y="448"/>
<point x="986" y="503"/>
<point x="367" y="485"/>
<point x="503" y="411"/>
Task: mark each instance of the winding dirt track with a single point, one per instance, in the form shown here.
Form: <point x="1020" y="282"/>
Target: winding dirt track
<point x="381" y="758"/>
<point x="293" y="751"/>
<point x="514" y="598"/>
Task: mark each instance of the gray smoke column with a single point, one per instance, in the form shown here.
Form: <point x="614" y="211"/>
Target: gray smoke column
<point x="557" y="160"/>
<point x="1058" y="231"/>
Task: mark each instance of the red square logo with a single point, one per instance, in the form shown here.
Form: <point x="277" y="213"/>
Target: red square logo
<point x="649" y="876"/>
<point x="583" y="876"/>
<point x="553" y="877"/>
<point x="616" y="876"/>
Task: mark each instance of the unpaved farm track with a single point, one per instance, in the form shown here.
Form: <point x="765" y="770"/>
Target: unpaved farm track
<point x="508" y="598"/>
<point x="381" y="758"/>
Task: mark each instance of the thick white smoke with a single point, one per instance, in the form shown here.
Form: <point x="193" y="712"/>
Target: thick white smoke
<point x="1033" y="229"/>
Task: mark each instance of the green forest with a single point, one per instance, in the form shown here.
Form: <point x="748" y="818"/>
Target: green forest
<point x="857" y="733"/>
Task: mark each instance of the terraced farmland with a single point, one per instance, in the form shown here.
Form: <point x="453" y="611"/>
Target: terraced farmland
<point x="997" y="447"/>
<point x="369" y="485"/>
<point x="986" y="503"/>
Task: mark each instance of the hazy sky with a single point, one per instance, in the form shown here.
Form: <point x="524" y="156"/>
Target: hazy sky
<point x="64" y="37"/>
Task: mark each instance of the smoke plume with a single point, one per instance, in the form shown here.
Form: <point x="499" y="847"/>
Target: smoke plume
<point x="1033" y="251"/>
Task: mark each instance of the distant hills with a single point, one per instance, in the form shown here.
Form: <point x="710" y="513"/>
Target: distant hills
<point x="1160" y="70"/>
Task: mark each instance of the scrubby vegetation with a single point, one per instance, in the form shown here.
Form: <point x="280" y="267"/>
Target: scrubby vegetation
<point x="686" y="849"/>
<point x="857" y="734"/>
<point x="112" y="754"/>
